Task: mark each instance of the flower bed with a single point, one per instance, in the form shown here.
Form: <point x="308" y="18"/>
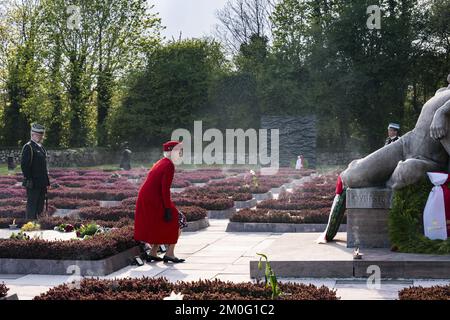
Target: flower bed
<point x="217" y="192"/>
<point x="129" y="201"/>
<point x="19" y="211"/>
<point x="204" y="202"/>
<point x="300" y="205"/>
<point x="159" y="288"/>
<point x="192" y="213"/>
<point x="92" y="194"/>
<point x="420" y="293"/>
<point x="12" y="202"/>
<point x="69" y="203"/>
<point x="107" y="214"/>
<point x="90" y="179"/>
<point x="5" y="222"/>
<point x="279" y="216"/>
<point x="96" y="248"/>
<point x="51" y="222"/>
<point x="297" y="195"/>
<point x="180" y="183"/>
<point x="12" y="193"/>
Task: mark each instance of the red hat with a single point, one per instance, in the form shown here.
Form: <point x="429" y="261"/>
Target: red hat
<point x="169" y="145"/>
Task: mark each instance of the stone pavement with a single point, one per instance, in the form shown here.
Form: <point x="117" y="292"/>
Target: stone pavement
<point x="215" y="254"/>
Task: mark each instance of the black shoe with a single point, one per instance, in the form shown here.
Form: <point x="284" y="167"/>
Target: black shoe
<point x="173" y="259"/>
<point x="150" y="258"/>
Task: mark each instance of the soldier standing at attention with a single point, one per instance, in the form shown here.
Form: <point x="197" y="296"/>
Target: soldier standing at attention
<point x="35" y="173"/>
<point x="393" y="133"/>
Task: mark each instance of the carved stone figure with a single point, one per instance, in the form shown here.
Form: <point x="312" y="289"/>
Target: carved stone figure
<point x="406" y="161"/>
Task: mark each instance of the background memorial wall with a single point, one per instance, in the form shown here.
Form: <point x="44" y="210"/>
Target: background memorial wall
<point x="298" y="135"/>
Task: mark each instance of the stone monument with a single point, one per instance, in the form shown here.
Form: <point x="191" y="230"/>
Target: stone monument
<point x="399" y="164"/>
<point x="367" y="215"/>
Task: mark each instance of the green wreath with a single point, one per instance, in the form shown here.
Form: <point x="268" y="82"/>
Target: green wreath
<point x="406" y="222"/>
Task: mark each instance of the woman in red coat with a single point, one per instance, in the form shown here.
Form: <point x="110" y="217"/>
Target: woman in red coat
<point x="157" y="221"/>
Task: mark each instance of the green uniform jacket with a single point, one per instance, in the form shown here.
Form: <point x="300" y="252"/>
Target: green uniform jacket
<point x="34" y="164"/>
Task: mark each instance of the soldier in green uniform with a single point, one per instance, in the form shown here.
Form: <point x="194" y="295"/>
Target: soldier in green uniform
<point x="34" y="169"/>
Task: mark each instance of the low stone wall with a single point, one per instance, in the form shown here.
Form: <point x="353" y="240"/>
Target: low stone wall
<point x="279" y="227"/>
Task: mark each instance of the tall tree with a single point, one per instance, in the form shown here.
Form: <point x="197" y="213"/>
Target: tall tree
<point x="22" y="70"/>
<point x="242" y="19"/>
<point x="171" y="93"/>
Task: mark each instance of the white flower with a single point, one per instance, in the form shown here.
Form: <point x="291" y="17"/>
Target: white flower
<point x="252" y="172"/>
<point x="174" y="296"/>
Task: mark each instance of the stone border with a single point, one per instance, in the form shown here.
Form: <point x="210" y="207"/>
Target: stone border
<point x="245" y="204"/>
<point x="279" y="227"/>
<point x="198" y="225"/>
<point x="263" y="196"/>
<point x="59" y="267"/>
<point x="109" y="204"/>
<point x="289" y="185"/>
<point x="355" y="269"/>
<point x="199" y="184"/>
<point x="278" y="190"/>
<point x="177" y="190"/>
<point x="66" y="213"/>
<point x="221" y="214"/>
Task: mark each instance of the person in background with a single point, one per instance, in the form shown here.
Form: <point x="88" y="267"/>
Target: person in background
<point x="125" y="162"/>
<point x="393" y="133"/>
<point x="299" y="163"/>
<point x="157" y="220"/>
<point x="35" y="172"/>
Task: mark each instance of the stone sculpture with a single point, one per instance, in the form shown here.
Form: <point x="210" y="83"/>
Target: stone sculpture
<point x="406" y="161"/>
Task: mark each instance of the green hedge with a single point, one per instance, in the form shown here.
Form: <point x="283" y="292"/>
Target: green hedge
<point x="406" y="222"/>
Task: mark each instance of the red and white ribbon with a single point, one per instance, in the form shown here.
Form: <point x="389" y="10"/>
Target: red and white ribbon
<point x="436" y="215"/>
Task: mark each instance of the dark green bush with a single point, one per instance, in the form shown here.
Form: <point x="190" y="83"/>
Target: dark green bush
<point x="406" y="222"/>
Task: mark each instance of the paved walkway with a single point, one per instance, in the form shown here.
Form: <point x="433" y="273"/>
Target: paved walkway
<point x="215" y="254"/>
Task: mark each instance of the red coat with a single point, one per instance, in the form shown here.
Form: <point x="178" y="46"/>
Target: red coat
<point x="153" y="198"/>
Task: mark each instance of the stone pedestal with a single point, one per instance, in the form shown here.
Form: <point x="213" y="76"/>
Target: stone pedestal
<point x="367" y="217"/>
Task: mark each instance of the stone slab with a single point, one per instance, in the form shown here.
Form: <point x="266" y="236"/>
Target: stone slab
<point x="221" y="214"/>
<point x="110" y="204"/>
<point x="59" y="267"/>
<point x="368" y="228"/>
<point x="262" y="196"/>
<point x="66" y="212"/>
<point x="197" y="225"/>
<point x="245" y="204"/>
<point x="278" y="227"/>
<point x="278" y="190"/>
<point x="297" y="255"/>
<point x="368" y="198"/>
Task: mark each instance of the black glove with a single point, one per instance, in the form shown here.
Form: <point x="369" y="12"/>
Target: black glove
<point x="167" y="215"/>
